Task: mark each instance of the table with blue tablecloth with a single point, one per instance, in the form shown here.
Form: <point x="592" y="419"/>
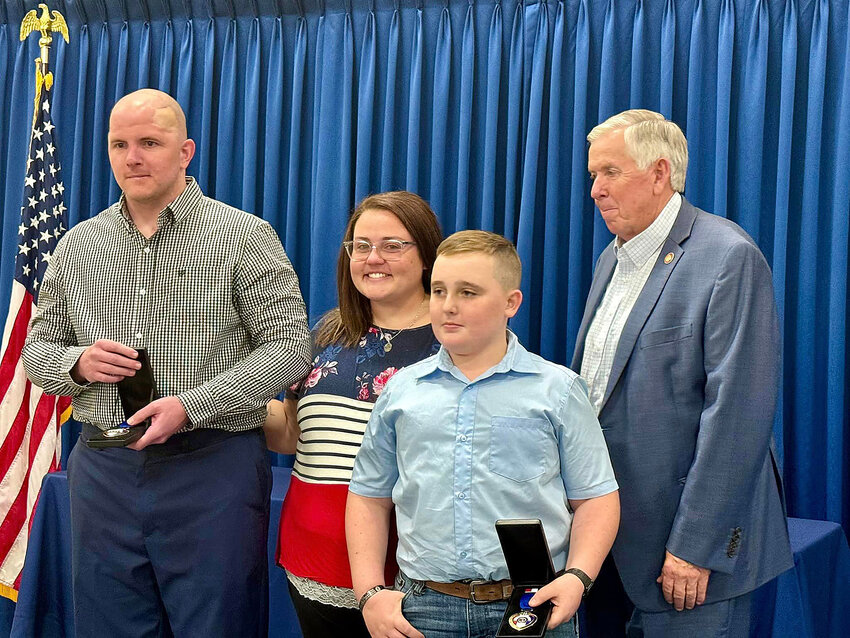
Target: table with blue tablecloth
<point x="45" y="605"/>
<point x="810" y="601"/>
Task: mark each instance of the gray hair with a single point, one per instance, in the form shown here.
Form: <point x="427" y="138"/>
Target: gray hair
<point x="649" y="136"/>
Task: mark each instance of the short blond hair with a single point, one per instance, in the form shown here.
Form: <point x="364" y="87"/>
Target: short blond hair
<point x="649" y="136"/>
<point x="507" y="266"/>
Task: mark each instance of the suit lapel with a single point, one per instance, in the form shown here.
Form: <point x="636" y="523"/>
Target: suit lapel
<point x="601" y="277"/>
<point x="652" y="290"/>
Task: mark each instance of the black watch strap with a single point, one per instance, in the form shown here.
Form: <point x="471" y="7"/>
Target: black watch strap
<point x="586" y="580"/>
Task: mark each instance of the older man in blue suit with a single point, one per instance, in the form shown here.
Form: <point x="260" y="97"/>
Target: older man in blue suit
<point x="680" y="348"/>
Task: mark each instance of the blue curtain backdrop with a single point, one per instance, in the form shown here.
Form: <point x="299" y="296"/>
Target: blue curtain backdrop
<point x="302" y="107"/>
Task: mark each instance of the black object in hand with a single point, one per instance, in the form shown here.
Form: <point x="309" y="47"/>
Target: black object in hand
<point x="134" y="393"/>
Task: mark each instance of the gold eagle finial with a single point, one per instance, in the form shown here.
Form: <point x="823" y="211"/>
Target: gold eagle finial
<point x="46" y="25"/>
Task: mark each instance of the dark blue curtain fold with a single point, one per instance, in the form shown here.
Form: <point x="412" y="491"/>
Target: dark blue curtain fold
<point x="301" y="107"/>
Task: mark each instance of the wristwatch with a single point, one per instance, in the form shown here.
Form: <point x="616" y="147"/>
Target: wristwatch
<point x="365" y="597"/>
<point x="586" y="580"/>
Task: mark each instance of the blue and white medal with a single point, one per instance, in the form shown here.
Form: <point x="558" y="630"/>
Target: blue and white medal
<point x="524" y="618"/>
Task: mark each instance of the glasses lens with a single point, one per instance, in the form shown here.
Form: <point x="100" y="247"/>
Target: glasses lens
<point x="358" y="250"/>
<point x="391" y="247"/>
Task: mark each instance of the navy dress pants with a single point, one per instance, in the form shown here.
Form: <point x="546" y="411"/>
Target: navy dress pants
<point x="171" y="541"/>
<point x="609" y="613"/>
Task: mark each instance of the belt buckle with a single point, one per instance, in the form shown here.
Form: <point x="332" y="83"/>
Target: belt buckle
<point x="472" y="585"/>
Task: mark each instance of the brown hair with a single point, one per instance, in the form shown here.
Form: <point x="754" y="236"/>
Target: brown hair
<point x="347" y="323"/>
<point x="507" y="267"/>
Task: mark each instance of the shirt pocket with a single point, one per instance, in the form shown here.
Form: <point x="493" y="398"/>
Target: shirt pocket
<point x="201" y="293"/>
<point x="518" y="447"/>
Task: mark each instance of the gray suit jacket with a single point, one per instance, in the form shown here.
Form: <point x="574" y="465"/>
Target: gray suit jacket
<point x="688" y="413"/>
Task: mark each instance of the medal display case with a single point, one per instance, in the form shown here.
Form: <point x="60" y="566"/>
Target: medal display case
<point x="134" y="393"/>
<point x="530" y="567"/>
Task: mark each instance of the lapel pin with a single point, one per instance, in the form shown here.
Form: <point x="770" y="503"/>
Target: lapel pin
<point x="668" y="258"/>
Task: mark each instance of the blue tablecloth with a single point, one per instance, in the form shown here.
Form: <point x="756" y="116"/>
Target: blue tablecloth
<point x="45" y="605"/>
<point x="810" y="601"/>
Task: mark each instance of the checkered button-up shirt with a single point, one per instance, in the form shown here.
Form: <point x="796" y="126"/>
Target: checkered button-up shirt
<point x="635" y="260"/>
<point x="211" y="295"/>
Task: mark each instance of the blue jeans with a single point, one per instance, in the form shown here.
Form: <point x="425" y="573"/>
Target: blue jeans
<point x="442" y="616"/>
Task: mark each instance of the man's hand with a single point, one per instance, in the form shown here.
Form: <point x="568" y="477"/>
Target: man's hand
<point x="105" y="361"/>
<point x="383" y="617"/>
<point x="682" y="583"/>
<point x="565" y="593"/>
<point x="167" y="415"/>
<point x="281" y="426"/>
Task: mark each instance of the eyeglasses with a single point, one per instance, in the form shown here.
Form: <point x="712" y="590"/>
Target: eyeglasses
<point x="388" y="249"/>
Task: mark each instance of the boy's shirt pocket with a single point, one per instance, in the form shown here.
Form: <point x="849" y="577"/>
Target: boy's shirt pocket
<point x="520" y="448"/>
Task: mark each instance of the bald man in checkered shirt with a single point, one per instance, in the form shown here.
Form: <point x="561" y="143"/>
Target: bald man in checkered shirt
<point x="169" y="533"/>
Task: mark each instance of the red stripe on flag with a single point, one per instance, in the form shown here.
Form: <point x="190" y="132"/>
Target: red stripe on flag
<point x="17" y="514"/>
<point x="17" y="336"/>
<point x="43" y="417"/>
<point x="15" y="517"/>
<point x="13" y="440"/>
<point x="10" y="528"/>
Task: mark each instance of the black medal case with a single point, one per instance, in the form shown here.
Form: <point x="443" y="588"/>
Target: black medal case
<point x="530" y="566"/>
<point x="134" y="393"/>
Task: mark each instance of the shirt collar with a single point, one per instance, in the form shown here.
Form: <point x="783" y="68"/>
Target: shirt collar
<point x="645" y="244"/>
<point x="176" y="211"/>
<point x="516" y="359"/>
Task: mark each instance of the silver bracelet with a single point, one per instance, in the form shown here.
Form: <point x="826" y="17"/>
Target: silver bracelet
<point x="365" y="597"/>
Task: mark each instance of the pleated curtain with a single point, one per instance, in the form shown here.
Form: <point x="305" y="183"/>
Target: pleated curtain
<point x="301" y="107"/>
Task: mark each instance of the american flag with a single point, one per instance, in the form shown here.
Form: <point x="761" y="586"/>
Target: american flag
<point x="30" y="421"/>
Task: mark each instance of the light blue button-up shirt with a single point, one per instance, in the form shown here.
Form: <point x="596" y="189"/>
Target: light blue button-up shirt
<point x="455" y="456"/>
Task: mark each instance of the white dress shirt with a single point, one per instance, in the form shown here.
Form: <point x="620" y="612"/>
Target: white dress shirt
<point x="635" y="259"/>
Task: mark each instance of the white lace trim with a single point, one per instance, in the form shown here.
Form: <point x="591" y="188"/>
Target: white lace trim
<point x="327" y="594"/>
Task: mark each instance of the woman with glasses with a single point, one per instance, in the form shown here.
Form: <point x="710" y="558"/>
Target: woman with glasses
<point x="380" y="326"/>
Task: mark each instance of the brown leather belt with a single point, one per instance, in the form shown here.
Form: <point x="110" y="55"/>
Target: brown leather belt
<point x="478" y="591"/>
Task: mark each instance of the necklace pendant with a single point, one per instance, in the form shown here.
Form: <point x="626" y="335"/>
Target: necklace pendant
<point x="388" y="346"/>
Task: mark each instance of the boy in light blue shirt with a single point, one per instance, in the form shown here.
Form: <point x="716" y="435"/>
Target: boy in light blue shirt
<point x="483" y="430"/>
